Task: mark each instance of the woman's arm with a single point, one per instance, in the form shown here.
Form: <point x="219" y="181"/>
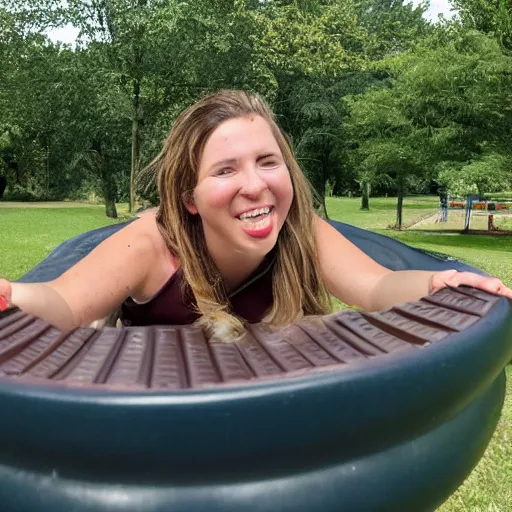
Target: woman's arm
<point x="126" y="264"/>
<point x="356" y="279"/>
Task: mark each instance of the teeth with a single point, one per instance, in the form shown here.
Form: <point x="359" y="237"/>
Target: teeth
<point x="254" y="213"/>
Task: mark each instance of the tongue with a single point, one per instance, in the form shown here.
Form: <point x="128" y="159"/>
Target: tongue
<point x="258" y="226"/>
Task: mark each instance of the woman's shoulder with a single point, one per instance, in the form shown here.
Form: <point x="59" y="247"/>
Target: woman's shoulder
<point x="146" y="234"/>
<point x="144" y="237"/>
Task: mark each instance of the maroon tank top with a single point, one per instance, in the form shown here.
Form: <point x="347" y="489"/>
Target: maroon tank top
<point x="174" y="304"/>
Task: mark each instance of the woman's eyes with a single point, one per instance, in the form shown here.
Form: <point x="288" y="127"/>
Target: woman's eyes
<point x="269" y="164"/>
<point x="266" y="164"/>
<point x="223" y="172"/>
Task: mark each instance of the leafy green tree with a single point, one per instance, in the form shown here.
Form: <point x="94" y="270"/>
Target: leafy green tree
<point x="31" y="104"/>
<point x="97" y="129"/>
<point x="166" y="54"/>
<point x="312" y="110"/>
<point x="492" y="17"/>
<point x="392" y="26"/>
<point x="488" y="173"/>
<point x="322" y="38"/>
<point x="444" y="104"/>
<point x="59" y="107"/>
<point x="134" y="35"/>
<point x="318" y="53"/>
<point x="303" y="49"/>
<point x="388" y="147"/>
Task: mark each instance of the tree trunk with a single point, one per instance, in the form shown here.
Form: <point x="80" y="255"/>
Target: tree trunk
<point x="47" y="180"/>
<point x="108" y="183"/>
<point x="365" y="196"/>
<point x="108" y="186"/>
<point x="135" y="142"/>
<point x="321" y="207"/>
<point x="110" y="208"/>
<point x="399" y="206"/>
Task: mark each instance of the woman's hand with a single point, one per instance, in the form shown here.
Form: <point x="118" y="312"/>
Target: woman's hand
<point x="454" y="278"/>
<point x="5" y="294"/>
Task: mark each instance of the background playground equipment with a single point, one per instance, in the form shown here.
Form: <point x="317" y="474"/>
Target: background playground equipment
<point x="482" y="205"/>
<point x="460" y="214"/>
<point x="474" y="203"/>
<point x="394" y="432"/>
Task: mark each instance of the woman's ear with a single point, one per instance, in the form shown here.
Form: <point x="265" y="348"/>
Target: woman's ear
<point x="188" y="201"/>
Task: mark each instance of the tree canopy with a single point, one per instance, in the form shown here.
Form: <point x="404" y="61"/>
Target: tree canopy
<point x="373" y="96"/>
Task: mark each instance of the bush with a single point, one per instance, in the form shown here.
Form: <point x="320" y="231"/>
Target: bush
<point x="499" y="196"/>
<point x="18" y="193"/>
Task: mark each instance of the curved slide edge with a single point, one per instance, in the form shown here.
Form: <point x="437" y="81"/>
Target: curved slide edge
<point x="401" y="479"/>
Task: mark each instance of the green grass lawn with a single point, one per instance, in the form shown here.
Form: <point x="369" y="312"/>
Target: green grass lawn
<point x="492" y="254"/>
<point x="28" y="233"/>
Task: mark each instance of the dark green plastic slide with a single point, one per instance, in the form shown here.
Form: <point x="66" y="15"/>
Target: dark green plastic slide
<point x="353" y="412"/>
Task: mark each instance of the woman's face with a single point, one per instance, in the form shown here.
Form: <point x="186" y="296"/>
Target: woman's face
<point x="244" y="191"/>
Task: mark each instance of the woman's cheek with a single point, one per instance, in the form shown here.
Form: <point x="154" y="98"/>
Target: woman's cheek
<point x="215" y="194"/>
<point x="287" y="192"/>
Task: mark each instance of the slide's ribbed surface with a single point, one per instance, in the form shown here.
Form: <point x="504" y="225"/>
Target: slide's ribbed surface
<point x="175" y="358"/>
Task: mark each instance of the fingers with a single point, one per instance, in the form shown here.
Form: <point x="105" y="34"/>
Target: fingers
<point x="454" y="278"/>
<point x="3" y="303"/>
<point x="441" y="280"/>
<point x="5" y="294"/>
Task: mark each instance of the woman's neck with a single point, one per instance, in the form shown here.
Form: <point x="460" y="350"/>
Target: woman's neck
<point x="235" y="267"/>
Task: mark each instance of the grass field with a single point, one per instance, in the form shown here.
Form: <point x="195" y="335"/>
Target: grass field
<point x="490" y="253"/>
<point x="29" y="232"/>
<point x="479" y="221"/>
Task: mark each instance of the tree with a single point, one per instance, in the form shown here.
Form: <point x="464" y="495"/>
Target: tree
<point x="97" y="128"/>
<point x="388" y="147"/>
<point x="318" y="53"/>
<point x="320" y="38"/>
<point x="304" y="50"/>
<point x="393" y="26"/>
<point x="133" y="33"/>
<point x="32" y="102"/>
<point x="445" y="104"/>
<point x="488" y="173"/>
<point x="492" y="17"/>
<point x="312" y="110"/>
<point x="161" y="54"/>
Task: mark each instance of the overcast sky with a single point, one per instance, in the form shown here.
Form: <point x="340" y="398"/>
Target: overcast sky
<point x="437" y="7"/>
<point x="68" y="34"/>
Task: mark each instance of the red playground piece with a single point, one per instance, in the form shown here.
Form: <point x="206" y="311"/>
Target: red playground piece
<point x="3" y="303"/>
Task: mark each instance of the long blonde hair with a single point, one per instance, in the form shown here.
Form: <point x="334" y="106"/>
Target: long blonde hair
<point x="298" y="288"/>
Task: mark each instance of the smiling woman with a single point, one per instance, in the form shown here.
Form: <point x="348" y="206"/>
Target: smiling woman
<point x="234" y="241"/>
<point x="227" y="378"/>
<point x="243" y="200"/>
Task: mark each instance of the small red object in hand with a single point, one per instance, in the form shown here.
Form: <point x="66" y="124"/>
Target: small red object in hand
<point x="3" y="303"/>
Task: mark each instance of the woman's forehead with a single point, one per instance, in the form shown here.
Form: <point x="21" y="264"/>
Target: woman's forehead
<point x="236" y="137"/>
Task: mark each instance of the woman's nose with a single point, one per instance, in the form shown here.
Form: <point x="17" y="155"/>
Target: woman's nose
<point x="253" y="184"/>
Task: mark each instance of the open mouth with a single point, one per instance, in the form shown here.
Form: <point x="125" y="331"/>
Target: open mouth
<point x="258" y="222"/>
<point x="256" y="215"/>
